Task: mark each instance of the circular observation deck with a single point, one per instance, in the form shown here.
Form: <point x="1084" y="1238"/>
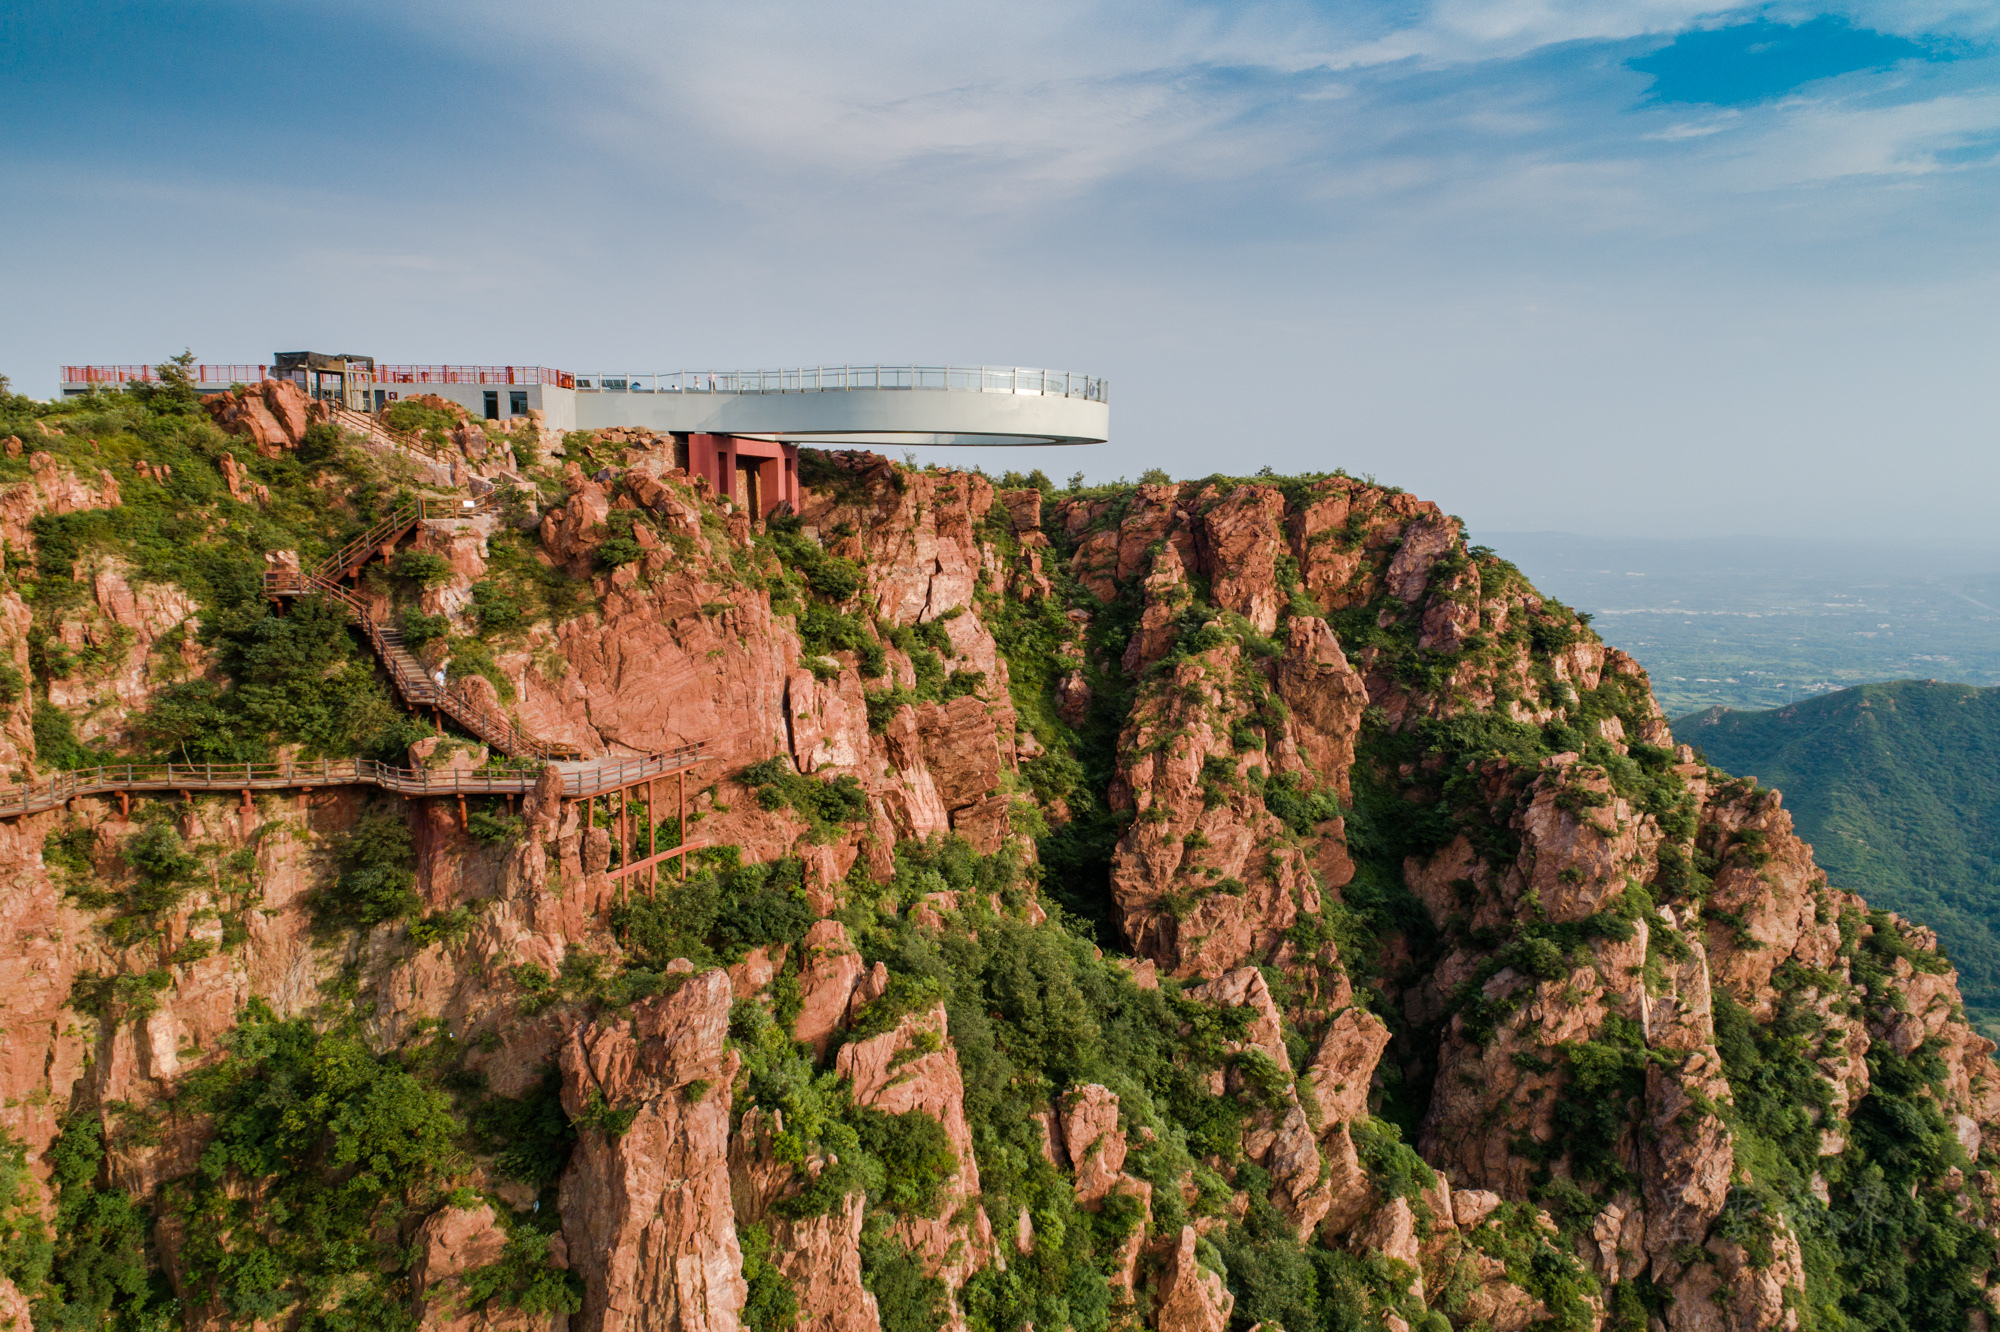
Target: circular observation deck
<point x="887" y="405"/>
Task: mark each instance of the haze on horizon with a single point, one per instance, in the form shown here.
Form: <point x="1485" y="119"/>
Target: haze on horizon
<point x="1647" y="269"/>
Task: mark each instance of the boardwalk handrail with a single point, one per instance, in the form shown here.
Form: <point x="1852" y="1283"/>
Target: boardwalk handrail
<point x="845" y="378"/>
<point x="405" y="516"/>
<point x="593" y="779"/>
<point x="367" y="424"/>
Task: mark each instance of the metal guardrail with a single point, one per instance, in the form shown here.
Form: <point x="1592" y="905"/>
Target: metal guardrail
<point x="474" y="374"/>
<point x="224" y="375"/>
<point x="801" y="379"/>
<point x="845" y="378"/>
<point x="343" y="561"/>
<point x="384" y="374"/>
<point x="583" y="780"/>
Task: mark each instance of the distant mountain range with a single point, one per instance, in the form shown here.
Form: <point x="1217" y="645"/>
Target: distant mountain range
<point x="1897" y="787"/>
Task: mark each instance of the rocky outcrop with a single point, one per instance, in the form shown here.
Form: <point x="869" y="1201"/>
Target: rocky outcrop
<point x="647" y="1216"/>
<point x="913" y="1069"/>
<point x="1191" y="1298"/>
<point x="51" y="487"/>
<point x="273" y="413"/>
<point x="122" y="646"/>
<point x="14" y="1312"/>
<point x="451" y="1243"/>
<point x="827" y="983"/>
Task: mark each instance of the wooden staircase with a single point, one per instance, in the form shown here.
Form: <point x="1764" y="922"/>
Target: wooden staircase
<point x="366" y="424"/>
<point x="419" y="689"/>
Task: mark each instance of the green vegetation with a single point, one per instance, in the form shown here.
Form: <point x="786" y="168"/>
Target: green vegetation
<point x="772" y="1305"/>
<point x="716" y="915"/>
<point x="341" y="1142"/>
<point x="523" y="1279"/>
<point x="99" y="1275"/>
<point x="376" y="882"/>
<point x="824" y="805"/>
<point x="420" y="418"/>
<point x="1897" y="788"/>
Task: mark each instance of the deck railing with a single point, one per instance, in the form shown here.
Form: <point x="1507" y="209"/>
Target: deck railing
<point x="843" y="378"/>
<point x="473" y="374"/>
<point x="225" y="375"/>
<point x="579" y="780"/>
<point x="798" y="379"/>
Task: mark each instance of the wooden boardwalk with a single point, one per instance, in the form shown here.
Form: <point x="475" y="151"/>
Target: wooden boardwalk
<point x="580" y="781"/>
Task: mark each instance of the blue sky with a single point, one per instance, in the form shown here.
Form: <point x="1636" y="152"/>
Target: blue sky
<point x="1654" y="268"/>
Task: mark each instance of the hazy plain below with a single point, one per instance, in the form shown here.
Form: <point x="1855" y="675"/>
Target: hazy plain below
<point x="1749" y="622"/>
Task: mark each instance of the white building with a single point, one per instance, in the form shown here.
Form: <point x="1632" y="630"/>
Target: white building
<point x="741" y="429"/>
<point x="826" y="404"/>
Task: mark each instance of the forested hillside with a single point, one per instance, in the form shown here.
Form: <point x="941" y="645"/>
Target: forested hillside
<point x="1897" y="787"/>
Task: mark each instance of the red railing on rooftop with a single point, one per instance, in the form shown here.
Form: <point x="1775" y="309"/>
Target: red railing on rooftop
<point x="473" y="374"/>
<point x="120" y="374"/>
<point x="384" y="374"/>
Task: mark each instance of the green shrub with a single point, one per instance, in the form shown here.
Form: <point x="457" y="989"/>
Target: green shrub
<point x="417" y="418"/>
<point x="824" y="630"/>
<point x="446" y="927"/>
<point x="377" y="880"/>
<point x="97" y="1273"/>
<point x="337" y="1141"/>
<point x="26" y="1250"/>
<point x="715" y="915"/>
<point x="828" y="576"/>
<point x="529" y="1137"/>
<point x="1286" y="796"/>
<point x="772" y="1305"/>
<point x="916" y="1159"/>
<point x="523" y="1278"/>
<point x="492" y="828"/>
<point x="494" y="607"/>
<point x="823" y="804"/>
<point x="618" y="551"/>
<point x="421" y="630"/>
<point x="56" y="745"/>
<point x="907" y="1299"/>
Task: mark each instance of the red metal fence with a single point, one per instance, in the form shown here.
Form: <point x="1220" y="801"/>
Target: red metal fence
<point x="473" y="374"/>
<point x="202" y="374"/>
<point x="384" y="374"/>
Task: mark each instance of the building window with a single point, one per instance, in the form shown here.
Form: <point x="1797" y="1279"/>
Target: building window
<point x="517" y="403"/>
<point x="492" y="404"/>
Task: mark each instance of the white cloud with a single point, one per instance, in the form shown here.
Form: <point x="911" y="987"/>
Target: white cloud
<point x="1696" y="129"/>
<point x="1813" y="142"/>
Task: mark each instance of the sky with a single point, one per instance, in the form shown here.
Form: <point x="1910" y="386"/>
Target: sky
<point x="1652" y="269"/>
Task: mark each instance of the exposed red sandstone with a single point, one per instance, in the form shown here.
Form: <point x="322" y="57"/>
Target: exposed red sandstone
<point x="274" y="413"/>
<point x="647" y="1214"/>
<point x="51" y="487"/>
